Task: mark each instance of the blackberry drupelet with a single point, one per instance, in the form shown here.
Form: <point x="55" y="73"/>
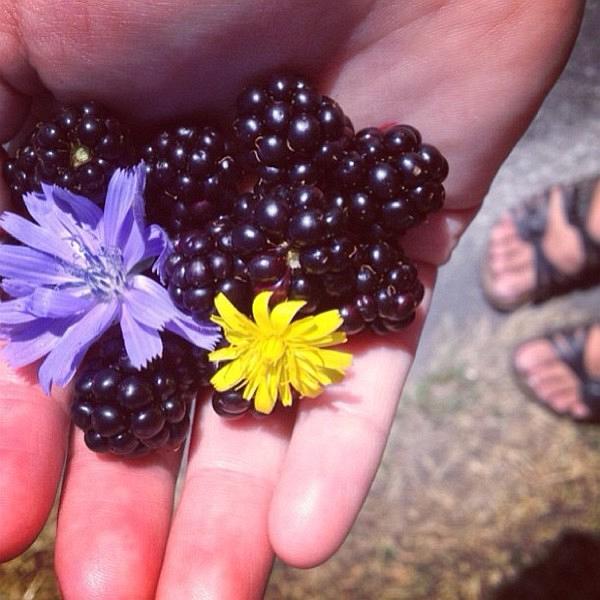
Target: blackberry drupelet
<point x="230" y="404"/>
<point x="289" y="133"/>
<point x="390" y="179"/>
<point x="127" y="411"/>
<point x="20" y="173"/>
<point x="192" y="177"/>
<point x="79" y="150"/>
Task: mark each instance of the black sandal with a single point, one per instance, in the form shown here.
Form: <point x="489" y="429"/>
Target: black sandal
<point x="530" y="218"/>
<point x="569" y="345"/>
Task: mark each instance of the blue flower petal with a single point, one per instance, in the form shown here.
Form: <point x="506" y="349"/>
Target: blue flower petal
<point x="141" y="342"/>
<point x="158" y="244"/>
<point x="149" y="302"/>
<point x="15" y="311"/>
<point x="82" y="210"/>
<point x="31" y="341"/>
<point x="62" y="362"/>
<point x="29" y="264"/>
<point x="17" y="287"/>
<point x="32" y="235"/>
<point x="204" y="335"/>
<point x="124" y="190"/>
<point x="47" y="302"/>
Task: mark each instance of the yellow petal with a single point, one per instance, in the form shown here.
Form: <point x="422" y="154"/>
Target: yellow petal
<point x="334" y="359"/>
<point x="229" y="376"/>
<point x="285" y="394"/>
<point x="333" y="339"/>
<point x="227" y="353"/>
<point x="264" y="401"/>
<point x="260" y="311"/>
<point x="284" y="312"/>
<point x="315" y="327"/>
<point x="231" y="316"/>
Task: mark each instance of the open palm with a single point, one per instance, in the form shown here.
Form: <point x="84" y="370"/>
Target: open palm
<point x="469" y="74"/>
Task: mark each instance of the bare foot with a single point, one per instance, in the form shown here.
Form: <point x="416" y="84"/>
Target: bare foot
<point x="510" y="270"/>
<point x="554" y="382"/>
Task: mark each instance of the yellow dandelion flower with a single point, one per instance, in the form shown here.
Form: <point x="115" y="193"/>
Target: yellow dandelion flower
<point x="271" y="355"/>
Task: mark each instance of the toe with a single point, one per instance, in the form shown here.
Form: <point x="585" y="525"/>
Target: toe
<point x="561" y="401"/>
<point x="532" y="354"/>
<point x="503" y="230"/>
<point x="509" y="288"/>
<point x="578" y="409"/>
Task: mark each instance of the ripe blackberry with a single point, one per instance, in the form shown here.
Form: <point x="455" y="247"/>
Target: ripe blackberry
<point x="386" y="290"/>
<point x="390" y="179"/>
<point x="78" y="149"/>
<point x="289" y="133"/>
<point x="127" y="411"/>
<point x="192" y="177"/>
<point x="202" y="265"/>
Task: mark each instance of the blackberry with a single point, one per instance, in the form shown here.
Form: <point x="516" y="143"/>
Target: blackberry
<point x="390" y="179"/>
<point x="79" y="149"/>
<point x="192" y="177"/>
<point x="203" y="264"/>
<point x="386" y="290"/>
<point x="127" y="411"/>
<point x="288" y="133"/>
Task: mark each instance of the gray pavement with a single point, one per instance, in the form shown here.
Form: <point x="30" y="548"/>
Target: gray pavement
<point x="562" y="144"/>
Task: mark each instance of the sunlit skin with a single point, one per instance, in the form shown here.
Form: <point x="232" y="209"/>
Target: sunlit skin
<point x="470" y="74"/>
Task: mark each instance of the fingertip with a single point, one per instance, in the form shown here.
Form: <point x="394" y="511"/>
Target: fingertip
<point x="33" y="430"/>
<point x="292" y="531"/>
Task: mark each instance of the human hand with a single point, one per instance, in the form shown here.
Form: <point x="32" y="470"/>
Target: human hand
<point x="469" y="75"/>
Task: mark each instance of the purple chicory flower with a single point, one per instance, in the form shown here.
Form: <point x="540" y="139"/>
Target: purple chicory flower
<point x="78" y="272"/>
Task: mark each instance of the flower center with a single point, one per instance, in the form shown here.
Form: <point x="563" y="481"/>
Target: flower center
<point x="273" y="349"/>
<point x="104" y="271"/>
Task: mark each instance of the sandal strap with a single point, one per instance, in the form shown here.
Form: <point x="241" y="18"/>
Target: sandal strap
<point x="569" y="346"/>
<point x="578" y="202"/>
<point x="531" y="218"/>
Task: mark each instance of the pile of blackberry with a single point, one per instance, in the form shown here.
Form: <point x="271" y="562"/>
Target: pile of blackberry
<point x="129" y="411"/>
<point x="192" y="177"/>
<point x="299" y="243"/>
<point x="79" y="150"/>
<point x="322" y="223"/>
